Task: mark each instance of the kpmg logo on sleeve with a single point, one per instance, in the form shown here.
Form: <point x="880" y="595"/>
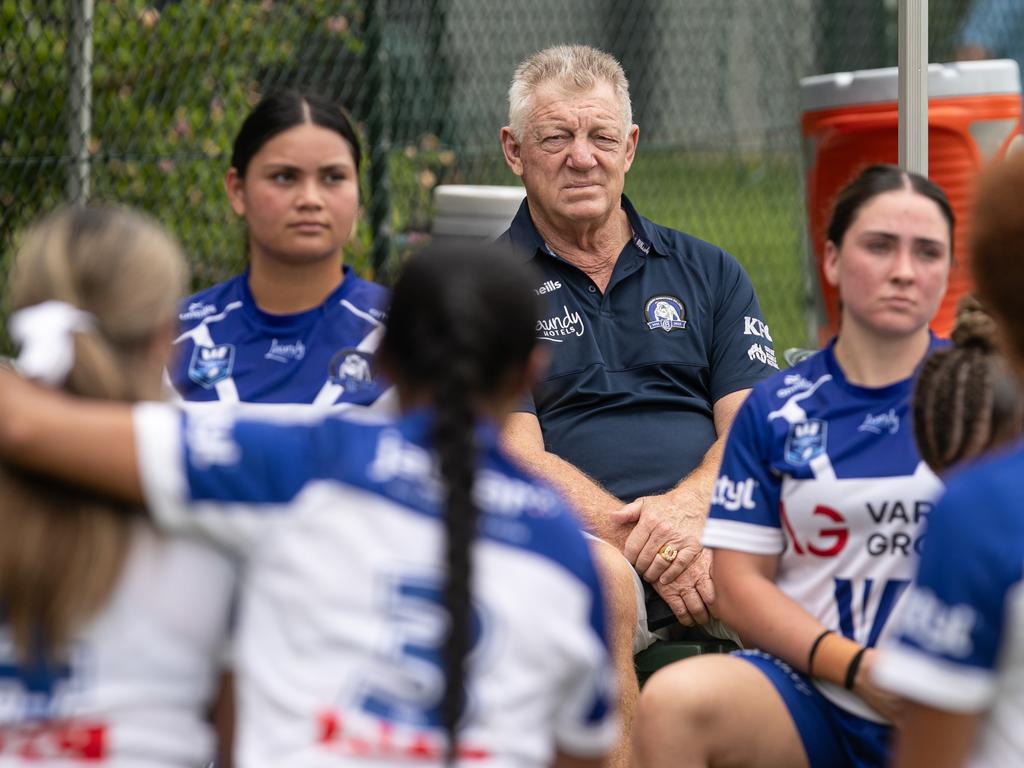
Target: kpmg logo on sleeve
<point x="211" y="365"/>
<point x="755" y="326"/>
<point x="763" y="354"/>
<point x="665" y="312"/>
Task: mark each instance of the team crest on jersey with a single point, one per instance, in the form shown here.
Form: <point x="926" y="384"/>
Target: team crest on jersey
<point x="806" y="440"/>
<point x="210" y="365"/>
<point x="352" y="368"/>
<point x="665" y="312"/>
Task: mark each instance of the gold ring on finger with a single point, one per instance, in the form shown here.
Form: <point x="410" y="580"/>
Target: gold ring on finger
<point x="668" y="553"/>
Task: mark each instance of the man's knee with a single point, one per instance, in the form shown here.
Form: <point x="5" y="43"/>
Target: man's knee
<point x="619" y="581"/>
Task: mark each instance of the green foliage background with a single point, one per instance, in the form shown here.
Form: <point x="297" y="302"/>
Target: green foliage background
<point x="170" y="87"/>
<point x="172" y="80"/>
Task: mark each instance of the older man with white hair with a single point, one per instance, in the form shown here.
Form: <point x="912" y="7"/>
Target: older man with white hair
<point x="655" y="339"/>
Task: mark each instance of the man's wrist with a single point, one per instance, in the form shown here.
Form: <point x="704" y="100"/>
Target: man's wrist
<point x="693" y="503"/>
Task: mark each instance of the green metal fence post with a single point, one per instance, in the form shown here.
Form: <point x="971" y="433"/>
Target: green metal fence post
<point x="378" y="132"/>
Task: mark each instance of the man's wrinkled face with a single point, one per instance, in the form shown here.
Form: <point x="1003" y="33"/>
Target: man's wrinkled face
<point x="573" y="154"/>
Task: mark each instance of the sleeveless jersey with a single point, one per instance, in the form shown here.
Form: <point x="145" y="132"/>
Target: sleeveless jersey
<point x="136" y="687"/>
<point x="961" y="637"/>
<point x="229" y="350"/>
<point x="340" y="626"/>
<point x="826" y="475"/>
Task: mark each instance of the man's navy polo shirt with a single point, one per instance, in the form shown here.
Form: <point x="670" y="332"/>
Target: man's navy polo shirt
<point x="635" y="371"/>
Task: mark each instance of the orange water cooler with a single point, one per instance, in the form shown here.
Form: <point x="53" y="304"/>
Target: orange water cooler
<point x="850" y="121"/>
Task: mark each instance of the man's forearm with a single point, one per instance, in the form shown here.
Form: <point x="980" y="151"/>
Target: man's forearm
<point x="592" y="502"/>
<point x="694" y="490"/>
<point x="523" y="439"/>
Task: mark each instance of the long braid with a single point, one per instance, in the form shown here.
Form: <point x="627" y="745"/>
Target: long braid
<point x="454" y="443"/>
<point x="460" y="332"/>
<point x="964" y="399"/>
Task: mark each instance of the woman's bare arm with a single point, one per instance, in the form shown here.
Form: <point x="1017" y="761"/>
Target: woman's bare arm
<point x="87" y="442"/>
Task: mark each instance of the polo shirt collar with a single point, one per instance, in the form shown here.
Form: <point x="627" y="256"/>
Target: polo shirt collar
<point x="527" y="239"/>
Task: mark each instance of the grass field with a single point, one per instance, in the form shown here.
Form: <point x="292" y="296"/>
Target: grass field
<point x="751" y="208"/>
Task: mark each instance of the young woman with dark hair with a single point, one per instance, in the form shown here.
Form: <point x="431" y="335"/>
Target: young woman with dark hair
<point x="818" y="512"/>
<point x="110" y="633"/>
<point x="404" y="579"/>
<point x="958" y="661"/>
<point x="297" y="327"/>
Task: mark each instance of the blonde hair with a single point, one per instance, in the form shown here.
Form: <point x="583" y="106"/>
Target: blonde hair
<point x="575" y="68"/>
<point x="62" y="549"/>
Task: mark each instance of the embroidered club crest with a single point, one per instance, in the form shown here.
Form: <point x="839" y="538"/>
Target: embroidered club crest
<point x="210" y="365"/>
<point x="352" y="369"/>
<point x="806" y="440"/>
<point x="665" y="312"/>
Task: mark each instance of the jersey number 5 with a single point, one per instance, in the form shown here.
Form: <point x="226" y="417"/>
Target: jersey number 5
<point x="412" y="694"/>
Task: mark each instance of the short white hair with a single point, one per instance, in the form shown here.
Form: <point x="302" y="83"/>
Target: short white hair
<point x="576" y="68"/>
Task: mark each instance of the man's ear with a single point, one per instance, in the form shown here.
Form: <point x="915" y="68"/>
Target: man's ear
<point x="512" y="149"/>
<point x="632" y="138"/>
<point x="234" y="184"/>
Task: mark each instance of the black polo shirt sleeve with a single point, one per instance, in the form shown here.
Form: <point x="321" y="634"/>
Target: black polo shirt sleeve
<point x="742" y="352"/>
<point x="526" y="404"/>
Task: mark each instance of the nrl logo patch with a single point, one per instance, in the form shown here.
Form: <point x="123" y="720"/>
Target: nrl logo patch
<point x="352" y="369"/>
<point x="210" y="365"/>
<point x="665" y="312"/>
<point x="806" y="440"/>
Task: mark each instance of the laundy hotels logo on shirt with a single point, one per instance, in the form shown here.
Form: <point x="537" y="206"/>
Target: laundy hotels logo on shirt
<point x="665" y="312"/>
<point x="568" y="323"/>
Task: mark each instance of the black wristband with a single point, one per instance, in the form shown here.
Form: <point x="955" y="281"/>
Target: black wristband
<point x="814" y="649"/>
<point x="851" y="670"/>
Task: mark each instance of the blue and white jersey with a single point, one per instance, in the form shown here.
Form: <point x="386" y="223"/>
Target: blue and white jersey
<point x="340" y="626"/>
<point x="961" y="637"/>
<point x="138" y="682"/>
<point x="229" y="350"/>
<point x="825" y="474"/>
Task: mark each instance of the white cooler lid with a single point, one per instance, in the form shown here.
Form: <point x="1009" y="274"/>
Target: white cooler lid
<point x="871" y="86"/>
<point x="469" y="200"/>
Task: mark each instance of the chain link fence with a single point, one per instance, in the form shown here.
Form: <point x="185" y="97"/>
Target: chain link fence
<point x="137" y="102"/>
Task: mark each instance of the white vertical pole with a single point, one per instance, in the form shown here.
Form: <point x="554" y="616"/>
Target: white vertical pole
<point x="79" y="104"/>
<point x="913" y="85"/>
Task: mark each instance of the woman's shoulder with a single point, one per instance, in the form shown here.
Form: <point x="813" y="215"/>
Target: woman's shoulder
<point x="797" y="383"/>
<point x="209" y="301"/>
<point x="366" y="293"/>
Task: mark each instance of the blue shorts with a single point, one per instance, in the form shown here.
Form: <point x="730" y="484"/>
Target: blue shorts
<point x="832" y="737"/>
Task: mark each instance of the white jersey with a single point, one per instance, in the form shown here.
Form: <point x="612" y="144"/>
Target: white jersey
<point x="138" y="683"/>
<point x="340" y="626"/>
<point x="961" y="638"/>
<point x="826" y="475"/>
